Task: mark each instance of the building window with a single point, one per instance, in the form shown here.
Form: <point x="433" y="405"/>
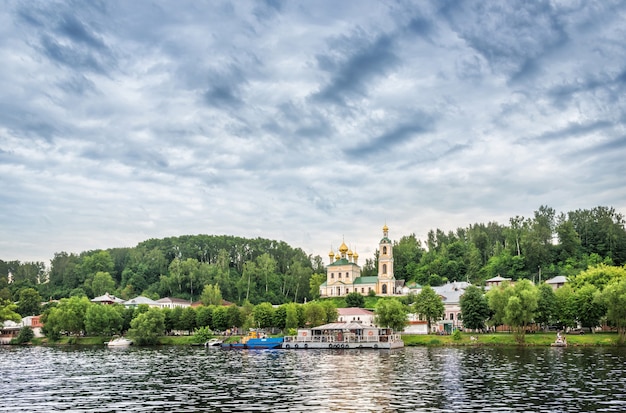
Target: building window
<point x="332" y="275"/>
<point x="339" y="275"/>
<point x="451" y="316"/>
<point x="384" y="268"/>
<point x="347" y="290"/>
<point x="384" y="250"/>
<point x="362" y="290"/>
<point x="347" y="275"/>
<point x="384" y="288"/>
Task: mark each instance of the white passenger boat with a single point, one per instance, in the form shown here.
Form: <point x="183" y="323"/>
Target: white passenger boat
<point x="344" y="336"/>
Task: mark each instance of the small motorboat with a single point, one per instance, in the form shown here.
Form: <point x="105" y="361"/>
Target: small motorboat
<point x="119" y="342"/>
<point x="214" y="342"/>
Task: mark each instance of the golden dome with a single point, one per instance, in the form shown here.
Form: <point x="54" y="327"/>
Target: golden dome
<point x="349" y="253"/>
<point x="385" y="228"/>
<point x="343" y="248"/>
<point x="331" y="253"/>
<point x="337" y="257"/>
<point x="355" y="255"/>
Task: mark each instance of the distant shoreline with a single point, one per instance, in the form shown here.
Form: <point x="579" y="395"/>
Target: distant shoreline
<point x="410" y="340"/>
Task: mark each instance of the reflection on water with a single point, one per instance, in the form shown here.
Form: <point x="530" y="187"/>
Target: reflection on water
<point x="194" y="379"/>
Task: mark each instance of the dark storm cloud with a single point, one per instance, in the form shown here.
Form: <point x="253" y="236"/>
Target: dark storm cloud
<point x="393" y="138"/>
<point x="352" y="76"/>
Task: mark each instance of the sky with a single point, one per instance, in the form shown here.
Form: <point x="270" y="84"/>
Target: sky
<point x="309" y="122"/>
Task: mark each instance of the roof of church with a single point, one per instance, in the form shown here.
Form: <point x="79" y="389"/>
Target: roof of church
<point x="385" y="240"/>
<point x="342" y="261"/>
<point x="365" y="280"/>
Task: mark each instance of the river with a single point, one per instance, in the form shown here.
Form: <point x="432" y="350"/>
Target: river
<point x="197" y="379"/>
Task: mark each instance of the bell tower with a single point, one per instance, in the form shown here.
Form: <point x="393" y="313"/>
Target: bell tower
<point x="386" y="279"/>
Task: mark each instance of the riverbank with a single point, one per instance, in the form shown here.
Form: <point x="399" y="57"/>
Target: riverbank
<point x="508" y="339"/>
<point x="417" y="340"/>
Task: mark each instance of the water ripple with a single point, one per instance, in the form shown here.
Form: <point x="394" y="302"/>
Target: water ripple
<point x="175" y="379"/>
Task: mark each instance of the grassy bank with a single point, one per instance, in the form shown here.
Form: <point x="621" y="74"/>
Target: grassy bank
<point x="506" y="339"/>
<point x="496" y="339"/>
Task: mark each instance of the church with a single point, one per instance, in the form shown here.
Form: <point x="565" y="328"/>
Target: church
<point x="343" y="273"/>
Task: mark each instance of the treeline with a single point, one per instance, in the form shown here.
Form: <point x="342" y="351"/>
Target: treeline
<point x="261" y="270"/>
<point x="537" y="248"/>
<point x="256" y="270"/>
<point x="77" y="316"/>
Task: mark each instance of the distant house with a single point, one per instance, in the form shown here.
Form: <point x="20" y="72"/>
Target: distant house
<point x="10" y="329"/>
<point x="495" y="281"/>
<point x="557" y="282"/>
<point x="356" y="315"/>
<point x="450" y="294"/>
<point x="169" y="302"/>
<point x="134" y="302"/>
<point x="107" y="299"/>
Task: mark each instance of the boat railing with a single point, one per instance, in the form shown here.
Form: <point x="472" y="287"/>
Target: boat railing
<point x="345" y="339"/>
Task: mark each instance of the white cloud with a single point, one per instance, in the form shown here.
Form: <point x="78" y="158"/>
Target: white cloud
<point x="126" y="121"/>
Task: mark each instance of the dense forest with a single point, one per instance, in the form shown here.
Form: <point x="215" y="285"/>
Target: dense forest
<point x="261" y="270"/>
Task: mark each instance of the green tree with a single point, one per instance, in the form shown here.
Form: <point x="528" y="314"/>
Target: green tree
<point x="102" y="283"/>
<point x="429" y="305"/>
<point x="235" y="316"/>
<point x="220" y="319"/>
<point x="565" y="310"/>
<point x="188" y="319"/>
<point x="315" y="314"/>
<point x="26" y="334"/>
<point x="355" y="299"/>
<point x="599" y="276"/>
<point x="330" y="311"/>
<point x="68" y="316"/>
<point x="8" y="311"/>
<point x="520" y="308"/>
<point x="497" y="298"/>
<point x="29" y="302"/>
<point x="474" y="308"/>
<point x="589" y="309"/>
<point x="147" y="327"/>
<point x="546" y="305"/>
<point x="315" y="282"/>
<point x="614" y="298"/>
<point x="291" y="316"/>
<point x="211" y="295"/>
<point x="204" y="316"/>
<point x="103" y="320"/>
<point x="391" y="313"/>
<point x="263" y="315"/>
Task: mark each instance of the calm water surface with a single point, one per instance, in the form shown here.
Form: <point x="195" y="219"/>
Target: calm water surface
<point x="195" y="379"/>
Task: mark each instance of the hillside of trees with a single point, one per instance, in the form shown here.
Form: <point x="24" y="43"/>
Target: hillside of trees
<point x="261" y="270"/>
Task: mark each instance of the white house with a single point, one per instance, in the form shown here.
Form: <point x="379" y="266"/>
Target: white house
<point x="356" y="315"/>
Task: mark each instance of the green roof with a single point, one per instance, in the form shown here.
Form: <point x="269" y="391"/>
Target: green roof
<point x="342" y="261"/>
<point x="385" y="240"/>
<point x="365" y="280"/>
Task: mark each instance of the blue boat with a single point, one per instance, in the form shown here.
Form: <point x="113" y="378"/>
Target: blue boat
<point x="256" y="340"/>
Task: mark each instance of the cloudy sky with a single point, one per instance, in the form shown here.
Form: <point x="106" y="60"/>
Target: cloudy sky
<point x="303" y="121"/>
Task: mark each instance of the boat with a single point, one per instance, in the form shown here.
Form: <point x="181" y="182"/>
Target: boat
<point x="344" y="336"/>
<point x="255" y="340"/>
<point x="560" y="341"/>
<point x="214" y="342"/>
<point x="119" y="342"/>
